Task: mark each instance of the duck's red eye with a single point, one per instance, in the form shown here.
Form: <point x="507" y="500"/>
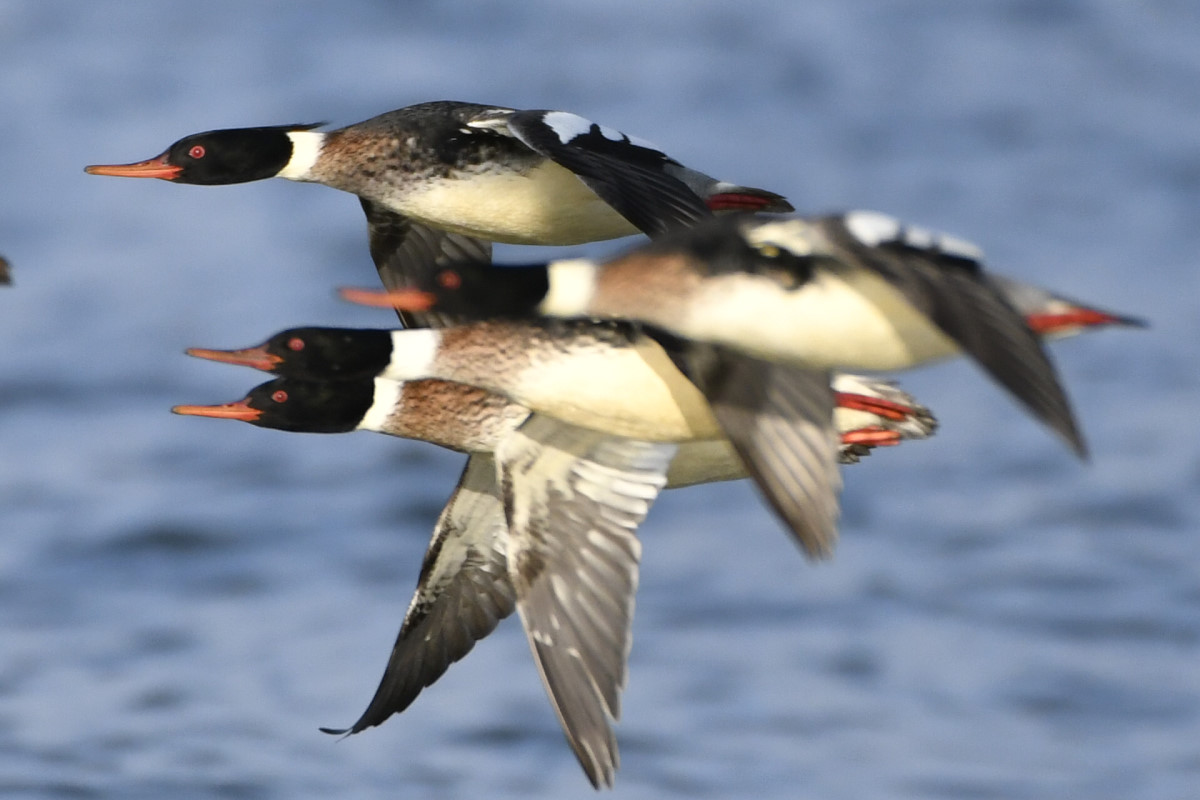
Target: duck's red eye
<point x="449" y="279"/>
<point x="197" y="151"/>
<point x="280" y="396"/>
<point x="295" y="344"/>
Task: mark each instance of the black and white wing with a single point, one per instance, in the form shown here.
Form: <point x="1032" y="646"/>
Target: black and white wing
<point x="462" y="593"/>
<point x="780" y="421"/>
<point x="574" y="499"/>
<point x="942" y="276"/>
<point x="629" y="174"/>
<point x="404" y="250"/>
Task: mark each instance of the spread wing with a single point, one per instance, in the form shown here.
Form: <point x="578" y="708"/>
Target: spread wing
<point x="780" y="421"/>
<point x="462" y="593"/>
<point x="943" y="278"/>
<point x="574" y="499"/>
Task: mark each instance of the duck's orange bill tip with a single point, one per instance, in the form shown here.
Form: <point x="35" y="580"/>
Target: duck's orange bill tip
<point x="240" y="410"/>
<point x="402" y="299"/>
<point x="256" y="357"/>
<point x="156" y="167"/>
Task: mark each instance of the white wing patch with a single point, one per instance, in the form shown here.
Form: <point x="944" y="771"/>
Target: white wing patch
<point x="959" y="247"/>
<point x="873" y="229"/>
<point x="567" y="126"/>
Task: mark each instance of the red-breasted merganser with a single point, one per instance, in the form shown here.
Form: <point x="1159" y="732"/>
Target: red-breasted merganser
<point x="441" y="181"/>
<point x="591" y="489"/>
<point x="608" y="377"/>
<point x="852" y="291"/>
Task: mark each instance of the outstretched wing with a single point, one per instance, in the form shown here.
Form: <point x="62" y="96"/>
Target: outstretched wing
<point x="462" y="594"/>
<point x="780" y="421"/>
<point x="574" y="499"/>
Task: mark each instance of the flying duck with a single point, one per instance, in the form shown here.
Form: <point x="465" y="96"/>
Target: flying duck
<point x="440" y="181"/>
<point x="605" y="376"/>
<point x="854" y="291"/>
<point x="590" y="489"/>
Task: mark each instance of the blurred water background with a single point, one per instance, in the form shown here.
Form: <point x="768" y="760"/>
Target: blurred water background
<point x="183" y="602"/>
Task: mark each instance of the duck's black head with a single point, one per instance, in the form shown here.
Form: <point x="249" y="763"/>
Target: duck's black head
<point x="314" y="353"/>
<point x="293" y="404"/>
<point x="212" y="158"/>
<point x="470" y="290"/>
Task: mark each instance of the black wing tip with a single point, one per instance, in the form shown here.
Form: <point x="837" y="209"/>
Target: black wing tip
<point x="342" y="732"/>
<point x="1060" y="419"/>
<point x="778" y="203"/>
<point x="1130" y="322"/>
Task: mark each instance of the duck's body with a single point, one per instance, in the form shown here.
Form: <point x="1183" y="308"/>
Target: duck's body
<point x="605" y="376"/>
<point x="472" y="420"/>
<point x="608" y="377"/>
<point x="434" y="163"/>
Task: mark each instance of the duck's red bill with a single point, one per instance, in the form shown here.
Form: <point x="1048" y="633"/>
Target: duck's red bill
<point x="256" y="357"/>
<point x="400" y="299"/>
<point x="156" y="167"/>
<point x="239" y="410"/>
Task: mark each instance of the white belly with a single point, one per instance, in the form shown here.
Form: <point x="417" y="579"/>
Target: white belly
<point x="628" y="391"/>
<point x="852" y="320"/>
<point x="547" y="205"/>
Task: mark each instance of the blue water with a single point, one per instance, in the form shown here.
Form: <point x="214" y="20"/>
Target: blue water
<point x="184" y="602"/>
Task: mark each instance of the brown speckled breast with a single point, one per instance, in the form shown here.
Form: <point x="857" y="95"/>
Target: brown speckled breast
<point x="383" y="157"/>
<point x="455" y="416"/>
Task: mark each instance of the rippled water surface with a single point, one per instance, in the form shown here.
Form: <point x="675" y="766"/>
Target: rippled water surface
<point x="184" y="602"/>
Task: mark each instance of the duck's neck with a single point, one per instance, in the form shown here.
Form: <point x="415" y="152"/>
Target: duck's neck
<point x="414" y="355"/>
<point x="306" y="150"/>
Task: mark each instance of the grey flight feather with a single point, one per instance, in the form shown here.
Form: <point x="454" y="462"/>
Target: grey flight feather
<point x="574" y="499"/>
<point x="779" y="419"/>
<point x="462" y="594"/>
